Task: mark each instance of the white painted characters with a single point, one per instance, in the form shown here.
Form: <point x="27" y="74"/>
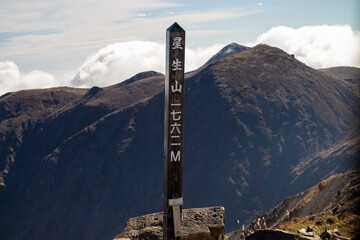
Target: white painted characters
<point x="175" y="158"/>
<point x="175" y="132"/>
<point x="176" y="116"/>
<point x="176" y="106"/>
<point x="177" y="43"/>
<point x="176" y="64"/>
<point x="176" y="88"/>
<point x="175" y="129"/>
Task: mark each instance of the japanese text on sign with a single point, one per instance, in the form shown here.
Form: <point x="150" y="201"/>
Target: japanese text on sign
<point x="176" y="87"/>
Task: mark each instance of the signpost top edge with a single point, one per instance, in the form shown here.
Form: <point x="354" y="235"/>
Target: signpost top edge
<point x="175" y="28"/>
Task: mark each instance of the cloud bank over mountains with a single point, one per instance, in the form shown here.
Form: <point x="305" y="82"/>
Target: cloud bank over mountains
<point x="110" y="65"/>
<point x="120" y="61"/>
<point x="317" y="46"/>
<point x="11" y="79"/>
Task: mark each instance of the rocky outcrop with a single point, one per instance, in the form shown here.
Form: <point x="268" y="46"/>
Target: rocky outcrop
<point x="332" y="204"/>
<point x="197" y="223"/>
<point x="336" y="195"/>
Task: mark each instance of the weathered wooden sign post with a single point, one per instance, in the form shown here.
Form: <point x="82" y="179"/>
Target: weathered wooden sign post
<point x="174" y="131"/>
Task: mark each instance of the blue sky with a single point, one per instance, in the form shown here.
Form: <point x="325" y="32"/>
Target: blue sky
<point x="51" y="42"/>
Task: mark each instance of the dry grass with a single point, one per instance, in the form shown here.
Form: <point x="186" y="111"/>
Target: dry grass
<point x="348" y="226"/>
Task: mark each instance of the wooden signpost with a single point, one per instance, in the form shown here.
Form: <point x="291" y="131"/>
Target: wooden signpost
<point x="174" y="131"/>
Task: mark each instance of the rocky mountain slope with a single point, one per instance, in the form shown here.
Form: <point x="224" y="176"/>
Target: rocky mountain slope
<point x="77" y="163"/>
<point x="333" y="203"/>
<point x="337" y="195"/>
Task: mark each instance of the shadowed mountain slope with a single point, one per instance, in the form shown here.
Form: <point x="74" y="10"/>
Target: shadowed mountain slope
<point x="81" y="169"/>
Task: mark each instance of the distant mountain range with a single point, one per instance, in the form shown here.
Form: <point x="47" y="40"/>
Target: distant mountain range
<point x="350" y="74"/>
<point x="259" y="126"/>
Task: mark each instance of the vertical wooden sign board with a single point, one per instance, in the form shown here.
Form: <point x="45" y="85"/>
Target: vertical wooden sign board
<point x="174" y="130"/>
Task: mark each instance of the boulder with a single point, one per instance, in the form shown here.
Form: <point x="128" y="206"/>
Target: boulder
<point x="332" y="234"/>
<point x="305" y="233"/>
<point x="197" y="223"/>
<point x="308" y="233"/>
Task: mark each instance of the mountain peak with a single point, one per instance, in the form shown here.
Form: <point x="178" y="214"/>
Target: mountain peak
<point x="138" y="77"/>
<point x="228" y="50"/>
<point x="260" y="56"/>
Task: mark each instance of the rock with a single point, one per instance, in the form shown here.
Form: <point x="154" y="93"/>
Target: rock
<point x="335" y="232"/>
<point x="273" y="234"/>
<point x="325" y="235"/>
<point x="197" y="223"/>
<point x="308" y="233"/>
<point x="332" y="234"/>
<point x="305" y="233"/>
<point x="144" y="227"/>
<point x="209" y="220"/>
<point x="235" y="235"/>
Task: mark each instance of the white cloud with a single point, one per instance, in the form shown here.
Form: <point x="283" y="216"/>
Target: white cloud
<point x="195" y="58"/>
<point x="112" y="64"/>
<point x="317" y="46"/>
<point x="11" y="79"/>
<point x="9" y="76"/>
<point x="120" y="61"/>
<point x="37" y="79"/>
